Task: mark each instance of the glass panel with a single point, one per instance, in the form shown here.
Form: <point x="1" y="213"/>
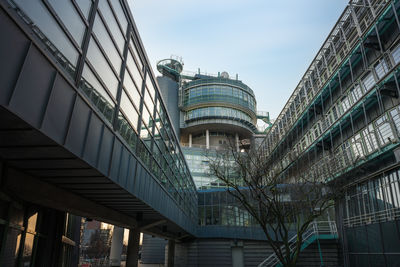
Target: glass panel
<point x="396" y="54"/>
<point x="126" y="131"/>
<point x="70" y="17"/>
<point x="356" y="93"/>
<point x="370" y="139"/>
<point x="41" y="17"/>
<point x="381" y="68"/>
<point x="107" y="44"/>
<point x="368" y="82"/>
<point x="102" y="67"/>
<point x="146" y="117"/>
<point x="112" y="24"/>
<point x="384" y="131"/>
<point x="85" y="6"/>
<point x="133" y="69"/>
<point x="131" y="90"/>
<point x="396" y="118"/>
<point x="135" y="52"/>
<point x="150" y="87"/>
<point x="96" y="93"/>
<point x="129" y="110"/>
<point x="120" y="14"/>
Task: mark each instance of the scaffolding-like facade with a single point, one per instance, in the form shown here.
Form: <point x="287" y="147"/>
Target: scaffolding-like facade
<point x="342" y="122"/>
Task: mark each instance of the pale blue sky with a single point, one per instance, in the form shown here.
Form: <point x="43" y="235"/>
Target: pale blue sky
<point x="268" y="43"/>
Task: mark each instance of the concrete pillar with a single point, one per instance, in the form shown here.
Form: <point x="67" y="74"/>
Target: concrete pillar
<point x="171" y="253"/>
<point x="237" y="142"/>
<point x="190" y="140"/>
<point x="117" y="242"/>
<point x="207" y="139"/>
<point x="132" y="255"/>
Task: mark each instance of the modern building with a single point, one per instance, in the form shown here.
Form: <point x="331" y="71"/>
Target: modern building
<point x="86" y="131"/>
<point x="342" y="124"/>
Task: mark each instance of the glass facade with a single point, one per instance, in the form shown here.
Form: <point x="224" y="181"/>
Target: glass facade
<point x="218" y="207"/>
<point x="219" y="93"/>
<point x="115" y="80"/>
<point x="216" y="112"/>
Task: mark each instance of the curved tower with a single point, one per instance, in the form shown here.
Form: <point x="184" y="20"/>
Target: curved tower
<point x="214" y="109"/>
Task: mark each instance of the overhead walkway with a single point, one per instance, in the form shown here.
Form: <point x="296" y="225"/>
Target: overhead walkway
<point x="63" y="145"/>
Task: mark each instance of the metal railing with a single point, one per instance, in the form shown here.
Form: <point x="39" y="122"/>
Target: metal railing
<point x="373" y="217"/>
<point x="315" y="229"/>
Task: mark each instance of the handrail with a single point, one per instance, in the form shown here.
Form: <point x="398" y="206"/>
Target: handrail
<point x="316" y="228"/>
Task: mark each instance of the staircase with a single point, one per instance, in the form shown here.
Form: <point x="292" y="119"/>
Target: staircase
<point x="316" y="230"/>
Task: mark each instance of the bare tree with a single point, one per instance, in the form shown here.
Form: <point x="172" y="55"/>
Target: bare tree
<point x="281" y="202"/>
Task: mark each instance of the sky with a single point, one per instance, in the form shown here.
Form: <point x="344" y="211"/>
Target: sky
<point x="269" y="44"/>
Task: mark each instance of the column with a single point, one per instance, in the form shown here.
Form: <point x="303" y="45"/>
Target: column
<point x="132" y="255"/>
<point x="171" y="253"/>
<point x="237" y="142"/>
<point x="190" y="140"/>
<point x="207" y="139"/>
<point x="116" y="246"/>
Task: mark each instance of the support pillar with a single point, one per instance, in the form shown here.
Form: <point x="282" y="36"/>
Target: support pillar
<point x="132" y="254"/>
<point x="207" y="139"/>
<point x="237" y="142"/>
<point x="171" y="253"/>
<point x="190" y="140"/>
<point x="116" y="246"/>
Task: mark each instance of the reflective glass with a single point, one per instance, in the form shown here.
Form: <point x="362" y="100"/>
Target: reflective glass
<point x="102" y="67"/>
<point x="70" y="17"/>
<point x="132" y="90"/>
<point x="96" y="93"/>
<point x="107" y="44"/>
<point x="120" y="14"/>
<point x="112" y="24"/>
<point x="134" y="71"/>
<point x="41" y="17"/>
<point x="150" y="87"/>
<point x="85" y="6"/>
<point x="135" y="52"/>
<point x="129" y="110"/>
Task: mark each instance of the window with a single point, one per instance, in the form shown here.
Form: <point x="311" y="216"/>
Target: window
<point x="41" y="17"/>
<point x="105" y="40"/>
<point x="70" y="17"/>
<point x="384" y="131"/>
<point x="368" y="82"/>
<point x="112" y="24"/>
<point x="134" y="71"/>
<point x="102" y="67"/>
<point x="120" y="14"/>
<point x="381" y="68"/>
<point x="129" y="110"/>
<point x="84" y="6"/>
<point x="396" y="54"/>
